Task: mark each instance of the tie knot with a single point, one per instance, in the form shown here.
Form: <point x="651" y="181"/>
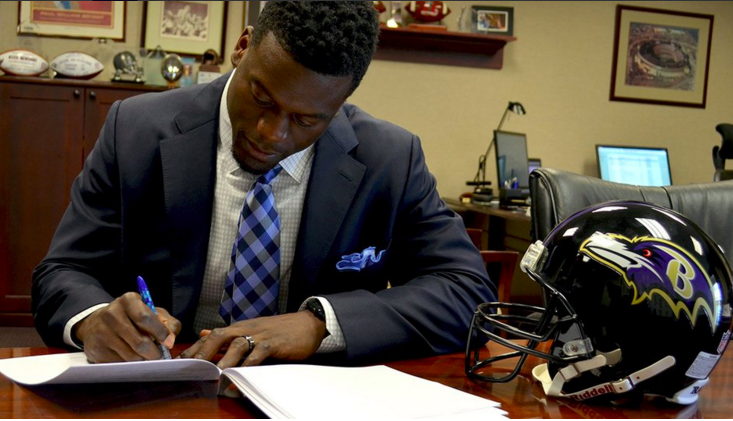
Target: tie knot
<point x="267" y="177"/>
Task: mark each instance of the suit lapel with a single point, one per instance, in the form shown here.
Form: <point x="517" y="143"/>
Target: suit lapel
<point x="189" y="172"/>
<point x="335" y="178"/>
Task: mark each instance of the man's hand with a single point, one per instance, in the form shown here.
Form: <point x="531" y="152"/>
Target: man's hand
<point x="125" y="330"/>
<point x="291" y="337"/>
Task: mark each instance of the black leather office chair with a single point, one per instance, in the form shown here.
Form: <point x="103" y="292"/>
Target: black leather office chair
<point x="723" y="152"/>
<point x="556" y="195"/>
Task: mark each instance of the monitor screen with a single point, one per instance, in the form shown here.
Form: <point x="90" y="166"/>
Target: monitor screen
<point x="634" y="165"/>
<point x="512" y="163"/>
<point x="534" y="163"/>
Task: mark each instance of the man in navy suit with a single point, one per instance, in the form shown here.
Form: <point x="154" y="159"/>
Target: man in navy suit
<point x="373" y="266"/>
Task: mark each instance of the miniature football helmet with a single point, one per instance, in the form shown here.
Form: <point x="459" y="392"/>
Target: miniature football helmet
<point x="637" y="301"/>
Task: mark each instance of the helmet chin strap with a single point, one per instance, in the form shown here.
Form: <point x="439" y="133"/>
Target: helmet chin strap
<point x="553" y="387"/>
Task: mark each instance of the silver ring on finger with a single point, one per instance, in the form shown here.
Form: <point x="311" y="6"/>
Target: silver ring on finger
<point x="250" y="342"/>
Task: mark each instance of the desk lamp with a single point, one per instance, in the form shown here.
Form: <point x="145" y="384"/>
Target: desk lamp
<point x="481" y="193"/>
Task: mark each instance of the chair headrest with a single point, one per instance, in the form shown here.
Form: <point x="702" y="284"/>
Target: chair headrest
<point x="726" y="147"/>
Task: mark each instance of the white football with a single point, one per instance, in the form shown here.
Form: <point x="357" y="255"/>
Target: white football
<point x="22" y="63"/>
<point x="77" y="65"/>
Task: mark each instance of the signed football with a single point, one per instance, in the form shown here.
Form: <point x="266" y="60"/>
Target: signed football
<point x="76" y="65"/>
<point x="22" y="63"/>
<point x="428" y="11"/>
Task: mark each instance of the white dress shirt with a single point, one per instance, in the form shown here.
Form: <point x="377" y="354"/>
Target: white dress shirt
<point x="231" y="187"/>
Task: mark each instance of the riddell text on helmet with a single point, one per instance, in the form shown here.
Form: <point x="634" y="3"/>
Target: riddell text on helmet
<point x="592" y="393"/>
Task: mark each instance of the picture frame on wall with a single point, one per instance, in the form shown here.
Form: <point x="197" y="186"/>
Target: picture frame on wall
<point x="252" y="11"/>
<point x="492" y="20"/>
<point x="661" y="57"/>
<point x="188" y="28"/>
<point x="73" y="19"/>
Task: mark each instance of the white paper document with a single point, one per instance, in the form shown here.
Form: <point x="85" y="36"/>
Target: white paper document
<point x="318" y="392"/>
<point x="74" y="368"/>
<point x="280" y="391"/>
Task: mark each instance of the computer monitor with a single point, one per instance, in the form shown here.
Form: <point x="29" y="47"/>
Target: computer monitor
<point x="511" y="159"/>
<point x="534" y="163"/>
<point x="640" y="166"/>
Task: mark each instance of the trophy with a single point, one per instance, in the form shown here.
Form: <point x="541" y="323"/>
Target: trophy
<point x="395" y="20"/>
<point x="172" y="68"/>
<point x="153" y="67"/>
<point x="126" y="68"/>
<point x="209" y="69"/>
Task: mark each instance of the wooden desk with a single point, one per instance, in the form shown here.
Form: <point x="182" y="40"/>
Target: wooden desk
<point x="522" y="397"/>
<point x="503" y="230"/>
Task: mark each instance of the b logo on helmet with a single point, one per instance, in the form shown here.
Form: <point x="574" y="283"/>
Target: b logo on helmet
<point x="653" y="266"/>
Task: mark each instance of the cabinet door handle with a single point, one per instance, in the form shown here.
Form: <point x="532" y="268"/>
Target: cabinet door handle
<point x="92" y="94"/>
<point x="77" y="94"/>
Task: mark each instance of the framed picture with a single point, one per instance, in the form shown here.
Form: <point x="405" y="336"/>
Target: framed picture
<point x="73" y="19"/>
<point x="188" y="28"/>
<point x="492" y="20"/>
<point x="252" y="11"/>
<point x="661" y="57"/>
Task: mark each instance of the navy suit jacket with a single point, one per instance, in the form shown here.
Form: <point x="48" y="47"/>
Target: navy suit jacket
<point x="143" y="204"/>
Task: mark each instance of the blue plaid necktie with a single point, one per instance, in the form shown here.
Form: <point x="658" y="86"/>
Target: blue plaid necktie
<point x="253" y="281"/>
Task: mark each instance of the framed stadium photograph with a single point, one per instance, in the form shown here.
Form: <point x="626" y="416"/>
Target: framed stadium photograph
<point x="73" y="19"/>
<point x="188" y="28"/>
<point x="492" y="20"/>
<point x="661" y="57"/>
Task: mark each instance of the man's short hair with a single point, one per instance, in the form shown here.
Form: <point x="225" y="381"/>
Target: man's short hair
<point x="334" y="38"/>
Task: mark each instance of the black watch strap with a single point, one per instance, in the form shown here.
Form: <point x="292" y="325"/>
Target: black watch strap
<point x="314" y="306"/>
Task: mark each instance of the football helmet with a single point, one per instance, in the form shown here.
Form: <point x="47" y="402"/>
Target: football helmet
<point x="637" y="301"/>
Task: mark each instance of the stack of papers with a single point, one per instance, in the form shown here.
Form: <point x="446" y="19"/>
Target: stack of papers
<point x="280" y="391"/>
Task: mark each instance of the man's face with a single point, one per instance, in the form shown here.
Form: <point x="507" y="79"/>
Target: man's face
<point x="277" y="106"/>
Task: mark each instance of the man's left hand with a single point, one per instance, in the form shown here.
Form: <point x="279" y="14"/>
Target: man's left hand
<point x="289" y="337"/>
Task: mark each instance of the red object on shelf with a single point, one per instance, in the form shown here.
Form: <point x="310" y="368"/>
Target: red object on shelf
<point x="428" y="11"/>
<point x="379" y="5"/>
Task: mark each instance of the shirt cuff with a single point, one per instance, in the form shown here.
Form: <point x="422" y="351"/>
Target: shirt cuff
<point x="68" y="340"/>
<point x="335" y="341"/>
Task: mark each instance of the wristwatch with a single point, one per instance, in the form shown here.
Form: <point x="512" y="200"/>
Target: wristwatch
<point x="314" y="306"/>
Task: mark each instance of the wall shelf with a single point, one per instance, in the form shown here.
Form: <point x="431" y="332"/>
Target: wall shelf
<point x="442" y="47"/>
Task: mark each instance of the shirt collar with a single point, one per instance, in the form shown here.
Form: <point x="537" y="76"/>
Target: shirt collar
<point x="294" y="165"/>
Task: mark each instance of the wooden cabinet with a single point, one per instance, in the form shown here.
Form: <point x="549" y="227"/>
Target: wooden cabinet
<point x="47" y="128"/>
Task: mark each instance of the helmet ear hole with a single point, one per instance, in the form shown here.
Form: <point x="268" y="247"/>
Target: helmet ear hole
<point x="639" y="286"/>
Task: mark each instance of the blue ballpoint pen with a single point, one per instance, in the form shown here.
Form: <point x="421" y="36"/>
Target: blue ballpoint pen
<point x="145" y="294"/>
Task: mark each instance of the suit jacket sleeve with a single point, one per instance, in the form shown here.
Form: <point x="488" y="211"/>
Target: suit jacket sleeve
<point x="141" y="206"/>
<point x="436" y="274"/>
<point x="68" y="281"/>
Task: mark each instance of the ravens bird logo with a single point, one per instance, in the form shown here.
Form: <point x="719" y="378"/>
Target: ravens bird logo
<point x="655" y="266"/>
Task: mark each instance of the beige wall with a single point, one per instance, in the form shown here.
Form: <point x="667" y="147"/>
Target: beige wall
<point x="559" y="68"/>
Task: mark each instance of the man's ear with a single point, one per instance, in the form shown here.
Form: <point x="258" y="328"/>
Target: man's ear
<point x="242" y="45"/>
